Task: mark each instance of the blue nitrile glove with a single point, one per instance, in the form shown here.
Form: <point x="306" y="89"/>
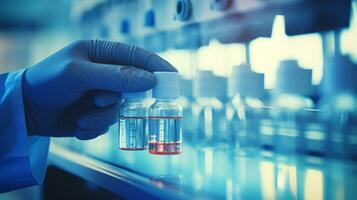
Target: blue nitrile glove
<point x="76" y="91"/>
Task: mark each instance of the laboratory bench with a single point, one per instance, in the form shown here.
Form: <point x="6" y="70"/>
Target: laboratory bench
<point x="204" y="172"/>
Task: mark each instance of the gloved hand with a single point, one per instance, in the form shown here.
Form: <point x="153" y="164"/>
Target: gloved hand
<point x="76" y="91"/>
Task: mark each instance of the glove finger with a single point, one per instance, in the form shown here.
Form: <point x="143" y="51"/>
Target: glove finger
<point x="86" y="105"/>
<point x="106" y="98"/>
<point x="89" y="134"/>
<point x="116" y="78"/>
<point x="108" y="52"/>
<point x="98" y="118"/>
<point x="97" y="98"/>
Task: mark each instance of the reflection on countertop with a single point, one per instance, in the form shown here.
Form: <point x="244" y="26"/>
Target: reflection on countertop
<point x="220" y="173"/>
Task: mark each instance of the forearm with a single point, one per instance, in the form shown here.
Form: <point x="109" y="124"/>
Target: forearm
<point x="22" y="158"/>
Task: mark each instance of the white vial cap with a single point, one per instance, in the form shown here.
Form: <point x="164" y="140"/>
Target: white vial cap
<point x="167" y="85"/>
<point x="292" y="79"/>
<point x="245" y="82"/>
<point x="206" y="84"/>
<point x="133" y="95"/>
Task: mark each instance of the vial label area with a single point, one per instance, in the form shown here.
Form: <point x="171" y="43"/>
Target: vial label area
<point x="165" y="135"/>
<point x="132" y="133"/>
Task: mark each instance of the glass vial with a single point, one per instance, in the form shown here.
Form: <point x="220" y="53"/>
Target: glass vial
<point x="165" y="116"/>
<point x="133" y="127"/>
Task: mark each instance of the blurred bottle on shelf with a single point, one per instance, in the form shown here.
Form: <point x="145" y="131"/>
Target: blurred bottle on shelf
<point x="208" y="110"/>
<point x="290" y="101"/>
<point x="221" y="84"/>
<point x="245" y="89"/>
<point x="186" y="100"/>
<point x="339" y="102"/>
<point x="315" y="132"/>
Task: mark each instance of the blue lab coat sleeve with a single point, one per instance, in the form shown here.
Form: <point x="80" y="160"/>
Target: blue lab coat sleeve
<point x="22" y="158"/>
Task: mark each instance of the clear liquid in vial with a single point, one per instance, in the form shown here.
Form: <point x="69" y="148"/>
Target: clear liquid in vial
<point x="165" y="135"/>
<point x="132" y="133"/>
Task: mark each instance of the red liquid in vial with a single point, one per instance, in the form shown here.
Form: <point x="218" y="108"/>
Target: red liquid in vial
<point x="132" y="149"/>
<point x="163" y="148"/>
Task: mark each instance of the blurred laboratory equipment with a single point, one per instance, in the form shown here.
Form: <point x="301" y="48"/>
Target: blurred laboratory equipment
<point x="165" y="116"/>
<point x="209" y="111"/>
<point x="133" y="126"/>
<point x="246" y="89"/>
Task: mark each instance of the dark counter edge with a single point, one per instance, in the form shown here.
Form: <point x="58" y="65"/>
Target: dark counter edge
<point x="115" y="179"/>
